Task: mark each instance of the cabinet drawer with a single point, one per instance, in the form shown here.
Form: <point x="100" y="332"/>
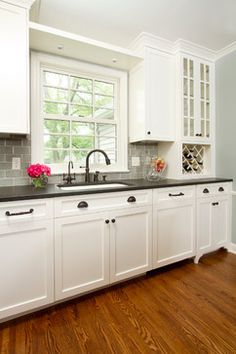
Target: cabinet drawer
<point x="21" y="211"/>
<point x="174" y="194"/>
<point x="206" y="190"/>
<point x="81" y="204"/>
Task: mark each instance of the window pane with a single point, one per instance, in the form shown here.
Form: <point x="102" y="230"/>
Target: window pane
<point x="104" y="101"/>
<point x="107" y="143"/>
<point x="56" y="126"/>
<point x="103" y="113"/>
<point x="56" y="141"/>
<point x="191" y="68"/>
<point x="56" y="156"/>
<point x="82" y="128"/>
<point x="81" y="98"/>
<point x="83" y="142"/>
<point x="54" y="94"/>
<point x="81" y="111"/>
<point x="81" y="84"/>
<point x="55" y="108"/>
<point x="54" y="79"/>
<point x="104" y="88"/>
<point x="185" y="67"/>
<point x="80" y="156"/>
<point x="106" y="130"/>
<point x="202" y="71"/>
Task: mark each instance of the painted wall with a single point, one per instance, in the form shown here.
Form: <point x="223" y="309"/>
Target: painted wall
<point x="226" y="123"/>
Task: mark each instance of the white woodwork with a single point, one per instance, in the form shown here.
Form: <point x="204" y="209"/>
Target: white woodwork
<point x="26" y="263"/>
<point x="68" y="206"/>
<point x="81" y="254"/>
<point x="42" y="209"/>
<point x="130" y="243"/>
<point x="216" y="189"/>
<point x="14" y="69"/>
<point x="152" y="98"/>
<point x="21" y="3"/>
<point x="47" y="39"/>
<point x="173" y="227"/>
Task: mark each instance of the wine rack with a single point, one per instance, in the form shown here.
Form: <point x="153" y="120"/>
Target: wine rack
<point x="193" y="159"/>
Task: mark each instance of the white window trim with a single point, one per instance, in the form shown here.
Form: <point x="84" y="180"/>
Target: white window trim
<point x="39" y="60"/>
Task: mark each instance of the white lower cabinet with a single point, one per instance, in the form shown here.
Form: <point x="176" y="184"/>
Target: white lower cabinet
<point x="213" y="224"/>
<point x="130" y="243"/>
<point x="81" y="254"/>
<point x="173" y="225"/>
<point x="26" y="266"/>
<point x="97" y="249"/>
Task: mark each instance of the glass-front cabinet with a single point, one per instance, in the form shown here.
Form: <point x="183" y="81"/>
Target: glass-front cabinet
<point x="196" y="99"/>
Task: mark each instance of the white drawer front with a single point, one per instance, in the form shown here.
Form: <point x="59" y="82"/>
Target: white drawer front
<point x="82" y="204"/>
<point x="24" y="210"/>
<point x="173" y="194"/>
<point x="206" y="190"/>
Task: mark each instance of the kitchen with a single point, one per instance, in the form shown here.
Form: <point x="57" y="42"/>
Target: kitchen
<point x="94" y="256"/>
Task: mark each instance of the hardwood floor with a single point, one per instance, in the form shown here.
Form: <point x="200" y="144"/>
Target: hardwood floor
<point x="184" y="308"/>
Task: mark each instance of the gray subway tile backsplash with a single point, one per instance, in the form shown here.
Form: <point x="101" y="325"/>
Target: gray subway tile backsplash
<point x="10" y="148"/>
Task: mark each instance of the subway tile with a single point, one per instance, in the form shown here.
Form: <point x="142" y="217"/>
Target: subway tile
<point x="13" y="173"/>
<point x="21" y="150"/>
<point x="6" y="182"/>
<point x="13" y="142"/>
<point x="5" y="150"/>
<point x="5" y="166"/>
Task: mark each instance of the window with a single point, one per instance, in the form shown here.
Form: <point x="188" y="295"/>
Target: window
<point x="78" y="107"/>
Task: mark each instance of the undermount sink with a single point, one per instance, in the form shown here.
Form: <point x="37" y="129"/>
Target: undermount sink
<point x="91" y="186"/>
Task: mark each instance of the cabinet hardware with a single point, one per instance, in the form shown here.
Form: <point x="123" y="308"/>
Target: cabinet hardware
<point x="107" y="221"/>
<point x="221" y="189"/>
<point x="113" y="220"/>
<point x="176" y="195"/>
<point x="216" y="203"/>
<point x="205" y="190"/>
<point x="82" y="204"/>
<point x="20" y="213"/>
<point x="149" y="133"/>
<point x="131" y="199"/>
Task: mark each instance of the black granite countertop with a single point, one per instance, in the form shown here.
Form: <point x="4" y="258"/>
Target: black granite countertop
<point x="51" y="190"/>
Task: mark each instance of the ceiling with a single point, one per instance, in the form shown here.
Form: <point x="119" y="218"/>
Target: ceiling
<point x="210" y="23"/>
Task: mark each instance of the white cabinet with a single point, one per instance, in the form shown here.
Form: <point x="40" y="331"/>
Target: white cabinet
<point x="152" y="98"/>
<point x="26" y="266"/>
<point x="197" y="78"/>
<point x="95" y="249"/>
<point x="81" y="254"/>
<point x="14" y="69"/>
<point x="130" y="243"/>
<point x="213" y="218"/>
<point x="173" y="225"/>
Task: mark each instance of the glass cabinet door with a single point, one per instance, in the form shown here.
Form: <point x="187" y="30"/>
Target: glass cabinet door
<point x="205" y="100"/>
<point x="188" y="97"/>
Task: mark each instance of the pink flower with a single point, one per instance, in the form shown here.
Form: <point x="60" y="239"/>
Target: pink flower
<point x="37" y="170"/>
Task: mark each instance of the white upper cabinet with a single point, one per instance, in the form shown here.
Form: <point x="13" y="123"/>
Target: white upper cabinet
<point x="14" y="116"/>
<point x="197" y="99"/>
<point x="152" y="98"/>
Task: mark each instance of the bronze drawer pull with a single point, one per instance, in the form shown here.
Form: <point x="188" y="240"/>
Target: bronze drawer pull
<point x="176" y="195"/>
<point x="131" y="199"/>
<point x="8" y="213"/>
<point x="82" y="204"/>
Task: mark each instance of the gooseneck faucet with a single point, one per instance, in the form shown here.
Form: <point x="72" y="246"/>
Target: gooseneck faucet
<point x="108" y="162"/>
<point x="69" y="177"/>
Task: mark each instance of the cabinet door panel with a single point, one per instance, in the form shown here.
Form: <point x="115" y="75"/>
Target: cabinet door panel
<point x="26" y="267"/>
<point x="130" y="243"/>
<point x="81" y="254"/>
<point x="13" y="69"/>
<point x="173" y="234"/>
<point x="204" y="225"/>
<point x="220" y="222"/>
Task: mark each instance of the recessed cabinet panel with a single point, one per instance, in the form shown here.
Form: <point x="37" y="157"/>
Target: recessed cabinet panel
<point x="13" y="69"/>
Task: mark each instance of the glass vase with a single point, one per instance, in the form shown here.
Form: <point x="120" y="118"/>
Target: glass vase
<point x="40" y="182"/>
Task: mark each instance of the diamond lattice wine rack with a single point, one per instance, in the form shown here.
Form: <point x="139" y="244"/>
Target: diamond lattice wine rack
<point x="193" y="159"/>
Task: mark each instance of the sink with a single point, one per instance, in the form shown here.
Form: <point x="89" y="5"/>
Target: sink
<point x="88" y="187"/>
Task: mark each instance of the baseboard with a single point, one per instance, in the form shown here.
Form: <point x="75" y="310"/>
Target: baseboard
<point x="232" y="247"/>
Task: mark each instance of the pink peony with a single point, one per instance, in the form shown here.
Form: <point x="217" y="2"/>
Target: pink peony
<point x="37" y="170"/>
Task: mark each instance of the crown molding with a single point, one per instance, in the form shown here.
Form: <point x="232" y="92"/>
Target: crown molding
<point x="184" y="46"/>
<point x="21" y="3"/>
<point x="226" y="51"/>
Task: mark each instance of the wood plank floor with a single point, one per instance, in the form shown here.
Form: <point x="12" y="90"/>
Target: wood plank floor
<point x="184" y="308"/>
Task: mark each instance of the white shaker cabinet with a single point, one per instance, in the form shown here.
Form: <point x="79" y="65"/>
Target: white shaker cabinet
<point x="81" y="254"/>
<point x="26" y="256"/>
<point x="173" y="225"/>
<point x="152" y="98"/>
<point x="213" y="218"/>
<point x="14" y="58"/>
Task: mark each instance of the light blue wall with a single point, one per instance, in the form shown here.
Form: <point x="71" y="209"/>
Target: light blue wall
<point x="226" y="123"/>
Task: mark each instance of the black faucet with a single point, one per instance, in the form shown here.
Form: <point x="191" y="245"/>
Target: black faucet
<point x="108" y="162"/>
<point x="69" y="177"/>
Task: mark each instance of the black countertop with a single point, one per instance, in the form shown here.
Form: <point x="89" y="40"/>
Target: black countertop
<point x="51" y="190"/>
